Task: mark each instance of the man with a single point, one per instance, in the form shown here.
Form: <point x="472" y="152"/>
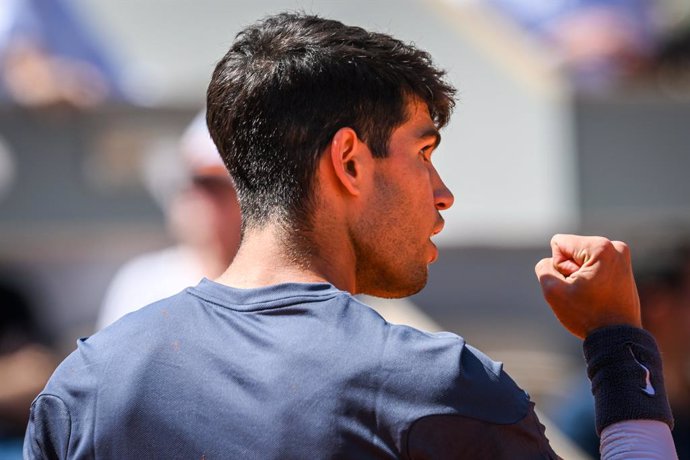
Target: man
<point x="328" y="132"/>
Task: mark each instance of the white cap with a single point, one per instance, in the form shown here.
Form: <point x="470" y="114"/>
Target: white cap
<point x="169" y="166"/>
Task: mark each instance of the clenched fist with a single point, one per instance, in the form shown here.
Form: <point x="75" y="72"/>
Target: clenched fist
<point x="589" y="284"/>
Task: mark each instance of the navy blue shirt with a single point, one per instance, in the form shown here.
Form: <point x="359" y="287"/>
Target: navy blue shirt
<point x="286" y="371"/>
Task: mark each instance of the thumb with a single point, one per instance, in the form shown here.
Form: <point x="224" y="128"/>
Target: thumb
<point x="550" y="278"/>
<point x="546" y="267"/>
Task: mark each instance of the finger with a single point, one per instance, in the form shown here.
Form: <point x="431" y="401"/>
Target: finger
<point x="565" y="244"/>
<point x="551" y="280"/>
<point x="622" y="249"/>
<point x="563" y="249"/>
<point x="545" y="267"/>
<point x="581" y="250"/>
<point x="567" y="267"/>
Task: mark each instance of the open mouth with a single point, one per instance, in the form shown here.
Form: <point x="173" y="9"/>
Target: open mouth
<point x="434" y="252"/>
<point x="439" y="226"/>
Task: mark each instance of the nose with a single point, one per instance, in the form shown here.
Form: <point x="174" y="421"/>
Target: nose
<point x="443" y="197"/>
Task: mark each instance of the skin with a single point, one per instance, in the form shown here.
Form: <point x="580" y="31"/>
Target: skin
<point x="588" y="282"/>
<point x="372" y="228"/>
<point x="395" y="249"/>
<point x="372" y="223"/>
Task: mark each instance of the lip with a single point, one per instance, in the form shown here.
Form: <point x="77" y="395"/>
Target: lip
<point x="434" y="252"/>
<point x="438" y="227"/>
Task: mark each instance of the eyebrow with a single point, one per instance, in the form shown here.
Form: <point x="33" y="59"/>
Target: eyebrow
<point x="431" y="132"/>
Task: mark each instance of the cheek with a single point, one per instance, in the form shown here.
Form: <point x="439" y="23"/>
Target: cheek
<point x="402" y="219"/>
<point x="420" y="179"/>
<point x="404" y="199"/>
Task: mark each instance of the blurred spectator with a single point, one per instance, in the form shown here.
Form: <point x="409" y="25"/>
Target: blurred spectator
<point x="672" y="69"/>
<point x="49" y="57"/>
<point x="665" y="297"/>
<point x="663" y="282"/>
<point x="203" y="216"/>
<point x="26" y="363"/>
<point x="596" y="41"/>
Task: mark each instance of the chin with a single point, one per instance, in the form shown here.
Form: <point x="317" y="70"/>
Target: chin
<point x="397" y="287"/>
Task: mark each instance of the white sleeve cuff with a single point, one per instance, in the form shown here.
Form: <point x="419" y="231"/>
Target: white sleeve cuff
<point x="637" y="439"/>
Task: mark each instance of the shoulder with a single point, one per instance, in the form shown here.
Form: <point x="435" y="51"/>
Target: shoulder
<point x="455" y="377"/>
<point x="105" y="371"/>
<point x="428" y="381"/>
<point x="127" y="342"/>
<point x="61" y="415"/>
<point x="451" y="376"/>
<point x="49" y="430"/>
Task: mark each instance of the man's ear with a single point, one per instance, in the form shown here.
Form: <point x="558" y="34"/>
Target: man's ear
<point x="348" y="157"/>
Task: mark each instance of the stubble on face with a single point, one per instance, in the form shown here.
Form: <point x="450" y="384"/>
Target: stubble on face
<point x="390" y="263"/>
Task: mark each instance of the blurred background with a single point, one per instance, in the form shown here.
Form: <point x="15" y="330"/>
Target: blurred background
<point x="573" y="116"/>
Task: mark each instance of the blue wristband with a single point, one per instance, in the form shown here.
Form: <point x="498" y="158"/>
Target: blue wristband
<point x="624" y="365"/>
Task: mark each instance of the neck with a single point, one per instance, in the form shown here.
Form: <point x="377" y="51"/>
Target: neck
<point x="269" y="256"/>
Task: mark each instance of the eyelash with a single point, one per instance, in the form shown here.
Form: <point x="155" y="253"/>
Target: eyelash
<point x="423" y="152"/>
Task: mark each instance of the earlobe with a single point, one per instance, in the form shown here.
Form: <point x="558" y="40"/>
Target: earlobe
<point x="346" y="156"/>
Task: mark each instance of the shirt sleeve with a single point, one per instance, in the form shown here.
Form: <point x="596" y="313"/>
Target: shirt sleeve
<point x="451" y="436"/>
<point x="637" y="439"/>
<point x="49" y="429"/>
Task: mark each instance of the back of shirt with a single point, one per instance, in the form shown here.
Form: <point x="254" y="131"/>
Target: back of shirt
<point x="286" y="371"/>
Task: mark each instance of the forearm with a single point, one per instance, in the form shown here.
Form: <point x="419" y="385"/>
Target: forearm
<point x="637" y="439"/>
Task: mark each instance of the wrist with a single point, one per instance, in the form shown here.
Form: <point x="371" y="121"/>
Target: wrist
<point x="624" y="366"/>
<point x="614" y="320"/>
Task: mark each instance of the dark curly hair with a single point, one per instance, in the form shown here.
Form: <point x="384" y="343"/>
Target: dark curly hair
<point x="289" y="83"/>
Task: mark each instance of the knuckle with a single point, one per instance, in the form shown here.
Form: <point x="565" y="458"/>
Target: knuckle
<point x="601" y="243"/>
<point x="622" y="248"/>
<point x="538" y="268"/>
<point x="543" y="263"/>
